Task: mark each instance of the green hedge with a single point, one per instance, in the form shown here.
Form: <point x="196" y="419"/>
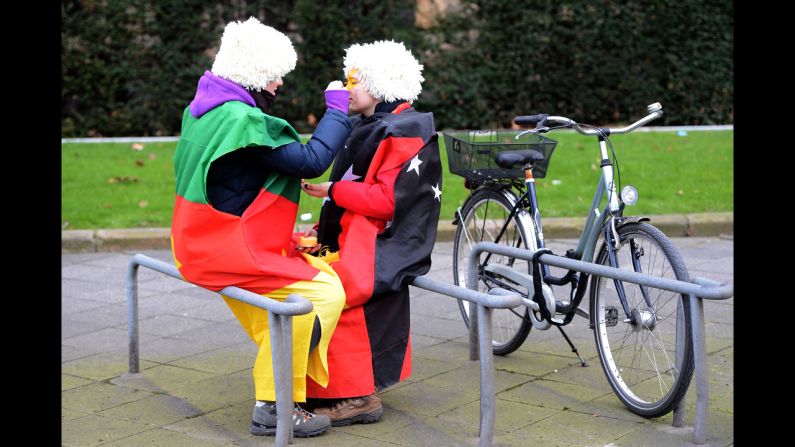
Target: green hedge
<point x="595" y="61"/>
<point x="130" y="67"/>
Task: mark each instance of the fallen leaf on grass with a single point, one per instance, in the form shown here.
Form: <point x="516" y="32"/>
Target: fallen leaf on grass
<point x="123" y="179"/>
<point x="137" y="147"/>
<point x="139" y="163"/>
<point x="152" y="156"/>
<point x="143" y="203"/>
<point x="680" y="193"/>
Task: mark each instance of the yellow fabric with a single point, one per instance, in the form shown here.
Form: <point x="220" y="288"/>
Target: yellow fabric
<point x="329" y="257"/>
<point x="326" y="294"/>
<point x="176" y="261"/>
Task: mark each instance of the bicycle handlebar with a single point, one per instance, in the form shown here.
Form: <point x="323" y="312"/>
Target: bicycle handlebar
<point x="540" y="120"/>
<point x="531" y="119"/>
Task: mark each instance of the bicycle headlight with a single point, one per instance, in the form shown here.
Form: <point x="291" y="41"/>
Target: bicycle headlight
<point x="629" y="195"/>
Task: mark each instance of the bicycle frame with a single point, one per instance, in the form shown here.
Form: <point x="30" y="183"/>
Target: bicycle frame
<point x="595" y="222"/>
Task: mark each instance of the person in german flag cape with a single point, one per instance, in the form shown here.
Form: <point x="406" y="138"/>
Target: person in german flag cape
<point x="377" y="229"/>
<point x="238" y="169"/>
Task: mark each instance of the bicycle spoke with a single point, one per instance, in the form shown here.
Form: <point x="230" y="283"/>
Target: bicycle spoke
<point x="671" y="365"/>
<point x="466" y="232"/>
<point x="653" y="362"/>
<point x="484" y="219"/>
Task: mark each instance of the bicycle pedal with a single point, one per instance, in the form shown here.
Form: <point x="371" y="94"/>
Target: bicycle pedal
<point x="611" y="316"/>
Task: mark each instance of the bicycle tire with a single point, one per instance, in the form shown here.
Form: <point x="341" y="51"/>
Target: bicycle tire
<point x="483" y="214"/>
<point x="640" y="363"/>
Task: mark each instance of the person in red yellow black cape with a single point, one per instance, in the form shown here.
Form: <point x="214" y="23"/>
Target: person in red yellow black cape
<point x="377" y="229"/>
<point x="238" y="169"/>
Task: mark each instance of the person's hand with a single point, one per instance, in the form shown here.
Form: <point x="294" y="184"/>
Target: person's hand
<point x="308" y="242"/>
<point x="337" y="96"/>
<point x="336" y="85"/>
<point x="319" y="190"/>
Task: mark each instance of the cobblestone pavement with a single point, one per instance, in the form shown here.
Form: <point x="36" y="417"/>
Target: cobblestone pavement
<point x="195" y="388"/>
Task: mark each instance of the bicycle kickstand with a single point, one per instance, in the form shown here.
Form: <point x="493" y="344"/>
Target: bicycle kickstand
<point x="573" y="348"/>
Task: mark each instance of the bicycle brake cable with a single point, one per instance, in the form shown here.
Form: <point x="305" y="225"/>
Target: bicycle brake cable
<point x="617" y="171"/>
<point x="615" y="162"/>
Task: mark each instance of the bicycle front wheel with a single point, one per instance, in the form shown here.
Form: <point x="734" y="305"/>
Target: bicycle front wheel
<point x="483" y="217"/>
<point x="638" y="352"/>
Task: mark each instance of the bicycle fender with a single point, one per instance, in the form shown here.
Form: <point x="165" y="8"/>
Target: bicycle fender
<point x="632" y="220"/>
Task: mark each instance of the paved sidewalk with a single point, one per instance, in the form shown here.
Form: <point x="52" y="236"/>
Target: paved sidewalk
<point x="196" y="389"/>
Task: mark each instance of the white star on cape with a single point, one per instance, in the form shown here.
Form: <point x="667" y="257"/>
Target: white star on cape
<point x="437" y="193"/>
<point x="415" y="164"/>
<point x="349" y="175"/>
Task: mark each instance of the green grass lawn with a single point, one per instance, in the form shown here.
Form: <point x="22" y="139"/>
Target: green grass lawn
<point x="112" y="185"/>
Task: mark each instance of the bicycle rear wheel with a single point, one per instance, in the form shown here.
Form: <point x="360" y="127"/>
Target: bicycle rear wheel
<point x="483" y="216"/>
<point x="638" y="354"/>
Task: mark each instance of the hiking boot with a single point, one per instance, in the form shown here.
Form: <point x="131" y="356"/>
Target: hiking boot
<point x="305" y="424"/>
<point x="356" y="410"/>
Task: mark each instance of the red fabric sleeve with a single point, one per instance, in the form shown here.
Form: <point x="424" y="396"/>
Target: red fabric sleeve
<point x="376" y="200"/>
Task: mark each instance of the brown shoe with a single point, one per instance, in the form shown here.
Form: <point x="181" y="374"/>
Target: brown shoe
<point x="355" y="410"/>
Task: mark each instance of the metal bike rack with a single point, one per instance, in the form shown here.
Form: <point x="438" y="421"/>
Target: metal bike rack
<point x="496" y="298"/>
<point x="698" y="289"/>
<point x="280" y="320"/>
<point x="280" y="315"/>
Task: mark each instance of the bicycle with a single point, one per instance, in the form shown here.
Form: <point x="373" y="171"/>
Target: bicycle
<point x="635" y="327"/>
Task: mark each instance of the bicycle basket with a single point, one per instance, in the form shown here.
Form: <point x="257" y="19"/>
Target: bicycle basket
<point x="470" y="153"/>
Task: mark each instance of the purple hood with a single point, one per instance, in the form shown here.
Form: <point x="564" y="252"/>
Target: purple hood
<point x="214" y="91"/>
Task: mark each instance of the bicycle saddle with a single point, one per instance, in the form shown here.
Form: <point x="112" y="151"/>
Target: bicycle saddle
<point x="509" y="159"/>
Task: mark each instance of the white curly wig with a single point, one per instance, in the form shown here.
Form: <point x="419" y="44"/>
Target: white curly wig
<point x="253" y="54"/>
<point x="387" y="70"/>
